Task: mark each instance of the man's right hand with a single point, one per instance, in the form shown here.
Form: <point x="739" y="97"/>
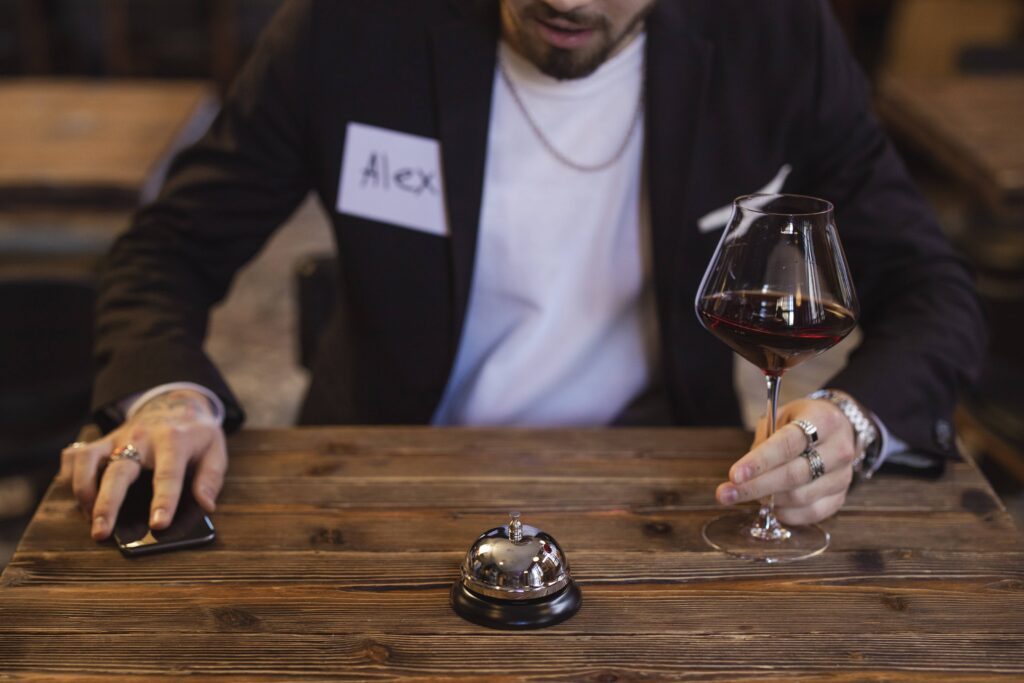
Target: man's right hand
<point x="171" y="432"/>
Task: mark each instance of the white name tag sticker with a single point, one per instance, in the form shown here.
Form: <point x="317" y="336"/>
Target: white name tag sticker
<point x="392" y="177"/>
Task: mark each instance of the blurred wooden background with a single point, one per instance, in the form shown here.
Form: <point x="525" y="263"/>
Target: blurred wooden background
<point x="210" y="38"/>
<point x="130" y="38"/>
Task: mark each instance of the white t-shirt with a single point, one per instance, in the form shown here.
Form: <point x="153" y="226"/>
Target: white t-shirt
<point x="560" y="325"/>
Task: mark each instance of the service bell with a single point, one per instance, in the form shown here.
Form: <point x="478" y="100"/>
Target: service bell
<point x="515" y="577"/>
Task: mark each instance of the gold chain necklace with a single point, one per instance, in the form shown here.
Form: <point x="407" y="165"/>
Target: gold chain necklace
<point x="585" y="168"/>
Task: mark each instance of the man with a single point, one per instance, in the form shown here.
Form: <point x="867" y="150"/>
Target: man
<point x="525" y="195"/>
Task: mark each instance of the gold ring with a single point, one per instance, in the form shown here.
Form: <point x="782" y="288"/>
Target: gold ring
<point x="125" y="452"/>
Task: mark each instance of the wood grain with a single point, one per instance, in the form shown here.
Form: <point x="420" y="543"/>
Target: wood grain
<point x="477" y="657"/>
<point x="255" y="528"/>
<point x="724" y="606"/>
<point x="337" y="548"/>
<point x="499" y="494"/>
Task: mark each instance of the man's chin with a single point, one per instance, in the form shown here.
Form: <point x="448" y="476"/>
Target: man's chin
<point x="570" y="64"/>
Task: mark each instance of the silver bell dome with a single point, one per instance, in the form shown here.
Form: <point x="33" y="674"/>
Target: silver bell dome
<point x="515" y="562"/>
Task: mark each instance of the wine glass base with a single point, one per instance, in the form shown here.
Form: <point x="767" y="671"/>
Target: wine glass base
<point x="738" y="534"/>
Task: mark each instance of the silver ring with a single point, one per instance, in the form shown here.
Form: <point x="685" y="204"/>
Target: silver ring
<point x="125" y="452"/>
<point x="809" y="430"/>
<point x="816" y="463"/>
<point x="76" y="444"/>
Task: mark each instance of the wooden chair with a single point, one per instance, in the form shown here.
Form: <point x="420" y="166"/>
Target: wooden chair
<point x="34" y="40"/>
<point x="928" y="37"/>
<point x="991" y="417"/>
<point x="223" y="35"/>
<point x="316" y="278"/>
<point x="45" y="363"/>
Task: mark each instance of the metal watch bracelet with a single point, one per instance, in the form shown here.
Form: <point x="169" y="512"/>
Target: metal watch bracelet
<point x="865" y="433"/>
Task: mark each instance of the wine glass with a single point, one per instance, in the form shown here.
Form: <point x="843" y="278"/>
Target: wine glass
<point x="777" y="291"/>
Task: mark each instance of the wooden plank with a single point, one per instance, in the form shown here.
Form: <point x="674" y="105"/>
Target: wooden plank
<point x="243" y="528"/>
<point x="69" y="140"/>
<point x="429" y="458"/>
<point x="425" y="461"/>
<point x="500" y="494"/>
<point x="721" y="608"/>
<point x="588" y="676"/>
<point x="692" y="442"/>
<point x="403" y="571"/>
<point x="528" y="656"/>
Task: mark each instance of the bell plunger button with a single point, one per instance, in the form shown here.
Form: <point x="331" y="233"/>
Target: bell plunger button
<point x="515" y="529"/>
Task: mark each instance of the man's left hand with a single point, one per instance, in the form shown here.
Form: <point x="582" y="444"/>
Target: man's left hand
<point x="774" y="466"/>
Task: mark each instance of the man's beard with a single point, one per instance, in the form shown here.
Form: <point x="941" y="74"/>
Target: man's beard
<point x="568" y="64"/>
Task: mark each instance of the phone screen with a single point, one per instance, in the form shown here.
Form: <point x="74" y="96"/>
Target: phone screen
<point x="190" y="527"/>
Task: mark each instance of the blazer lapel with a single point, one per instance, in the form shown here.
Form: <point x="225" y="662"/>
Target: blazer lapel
<point x="464" y="53"/>
<point x="678" y="74"/>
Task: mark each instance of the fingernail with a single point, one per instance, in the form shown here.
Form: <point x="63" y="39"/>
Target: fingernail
<point x="728" y="495"/>
<point x="159" y="517"/>
<point x="99" y="525"/>
<point x="741" y="474"/>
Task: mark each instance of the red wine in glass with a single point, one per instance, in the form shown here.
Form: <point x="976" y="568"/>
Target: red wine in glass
<point x="777" y="291"/>
<point x="772" y="330"/>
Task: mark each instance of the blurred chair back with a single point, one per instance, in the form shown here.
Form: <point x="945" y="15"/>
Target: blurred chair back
<point x="317" y="287"/>
<point x="46" y="336"/>
<point x="997" y="403"/>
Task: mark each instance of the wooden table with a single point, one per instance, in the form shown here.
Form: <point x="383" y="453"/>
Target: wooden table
<point x="93" y="142"/>
<point x="337" y="548"/>
<point x="971" y="125"/>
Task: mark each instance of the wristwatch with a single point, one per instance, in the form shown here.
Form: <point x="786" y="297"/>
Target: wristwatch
<point x="865" y="434"/>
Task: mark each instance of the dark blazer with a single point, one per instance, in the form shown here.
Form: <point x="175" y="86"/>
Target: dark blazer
<point x="735" y="90"/>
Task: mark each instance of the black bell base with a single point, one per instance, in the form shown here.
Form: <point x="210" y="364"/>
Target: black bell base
<point x="516" y="615"/>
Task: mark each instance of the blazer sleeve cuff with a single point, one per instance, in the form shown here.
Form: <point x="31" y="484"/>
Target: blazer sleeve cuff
<point x="135" y="371"/>
<point x="130" y="406"/>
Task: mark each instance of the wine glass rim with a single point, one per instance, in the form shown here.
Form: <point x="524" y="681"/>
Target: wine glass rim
<point x="826" y="205"/>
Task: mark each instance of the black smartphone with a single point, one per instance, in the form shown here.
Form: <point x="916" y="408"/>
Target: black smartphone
<point x="191" y="526"/>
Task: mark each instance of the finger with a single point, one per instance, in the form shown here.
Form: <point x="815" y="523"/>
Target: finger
<point x="823" y="508"/>
<point x="86" y="435"/>
<point x="171" y="455"/>
<point x="792" y="475"/>
<point x="67" y="462"/>
<point x="789" y="440"/>
<point x="828" y="485"/>
<point x="116" y="479"/>
<point x="784" y="445"/>
<point x="84" y="462"/>
<point x="209" y="477"/>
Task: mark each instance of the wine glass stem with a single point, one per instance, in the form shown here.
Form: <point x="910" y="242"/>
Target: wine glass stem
<point x="767" y="519"/>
